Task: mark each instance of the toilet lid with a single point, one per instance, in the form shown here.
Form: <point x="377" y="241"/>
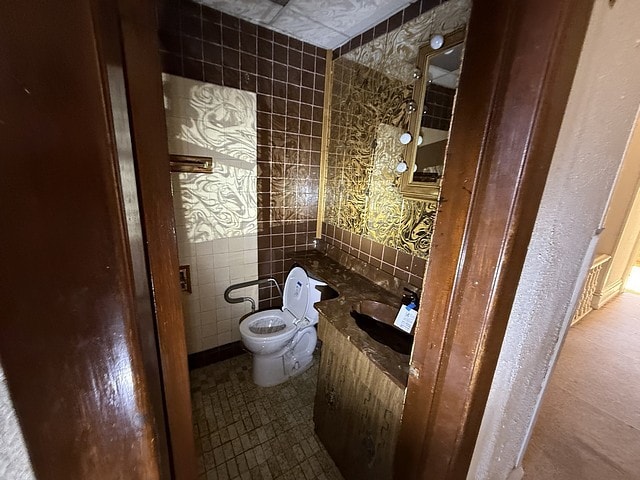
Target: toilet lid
<point x="296" y="293"/>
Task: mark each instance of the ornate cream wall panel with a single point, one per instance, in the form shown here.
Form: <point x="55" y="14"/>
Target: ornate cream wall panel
<point x="216" y="213"/>
<point x="220" y="122"/>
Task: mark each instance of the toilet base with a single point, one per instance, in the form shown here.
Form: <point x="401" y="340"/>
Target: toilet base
<point x="294" y="359"/>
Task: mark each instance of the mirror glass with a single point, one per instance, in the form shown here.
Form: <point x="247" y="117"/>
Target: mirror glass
<point x="430" y="123"/>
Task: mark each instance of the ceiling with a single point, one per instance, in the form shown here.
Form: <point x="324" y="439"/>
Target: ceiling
<point x="324" y="23"/>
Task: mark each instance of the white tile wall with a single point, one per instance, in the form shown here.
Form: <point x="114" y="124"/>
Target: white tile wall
<point x="211" y="320"/>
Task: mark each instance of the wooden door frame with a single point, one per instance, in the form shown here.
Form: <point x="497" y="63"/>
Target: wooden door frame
<point x="149" y="134"/>
<point x="78" y="342"/>
<point x="519" y="63"/>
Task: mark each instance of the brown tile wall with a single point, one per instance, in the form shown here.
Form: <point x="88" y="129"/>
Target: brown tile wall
<point x="439" y="107"/>
<point x="391" y="23"/>
<point x="288" y="77"/>
<point x="408" y="268"/>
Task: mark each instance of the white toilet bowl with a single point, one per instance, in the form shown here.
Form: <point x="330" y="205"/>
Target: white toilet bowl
<point x="283" y="340"/>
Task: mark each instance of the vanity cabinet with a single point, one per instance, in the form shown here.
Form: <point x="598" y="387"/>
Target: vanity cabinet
<point x="357" y="409"/>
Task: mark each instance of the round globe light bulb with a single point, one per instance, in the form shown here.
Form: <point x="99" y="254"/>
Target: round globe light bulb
<point x="405" y="138"/>
<point x="401" y="167"/>
<point x="436" y="41"/>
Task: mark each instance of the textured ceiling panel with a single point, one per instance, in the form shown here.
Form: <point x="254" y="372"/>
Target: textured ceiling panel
<point x="349" y="17"/>
<point x="325" y="23"/>
<point x="395" y="53"/>
<point x="290" y="21"/>
<point x="254" y="11"/>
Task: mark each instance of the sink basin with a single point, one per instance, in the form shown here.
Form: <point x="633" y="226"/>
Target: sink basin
<point x="376" y="319"/>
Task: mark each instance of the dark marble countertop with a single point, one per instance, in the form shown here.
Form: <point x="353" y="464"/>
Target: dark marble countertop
<point x="353" y="288"/>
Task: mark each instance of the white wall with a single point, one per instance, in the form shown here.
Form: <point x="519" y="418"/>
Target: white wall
<point x="622" y="224"/>
<point x="595" y="130"/>
<point x="14" y="459"/>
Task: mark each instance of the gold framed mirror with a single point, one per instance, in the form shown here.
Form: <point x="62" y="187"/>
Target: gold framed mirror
<point x="431" y="112"/>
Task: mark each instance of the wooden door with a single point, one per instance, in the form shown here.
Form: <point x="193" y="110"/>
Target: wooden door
<point x="78" y="339"/>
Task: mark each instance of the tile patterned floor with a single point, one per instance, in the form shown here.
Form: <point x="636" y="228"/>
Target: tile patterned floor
<point x="248" y="432"/>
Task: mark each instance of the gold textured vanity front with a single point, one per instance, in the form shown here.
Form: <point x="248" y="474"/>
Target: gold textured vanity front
<point x="357" y="410"/>
<point x="361" y="383"/>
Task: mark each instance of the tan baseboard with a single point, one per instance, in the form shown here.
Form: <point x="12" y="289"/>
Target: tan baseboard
<point x="601" y="298"/>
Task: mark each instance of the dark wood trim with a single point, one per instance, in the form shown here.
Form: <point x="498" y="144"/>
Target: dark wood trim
<point x="77" y="344"/>
<point x="216" y="354"/>
<point x="106" y="22"/>
<point x="519" y="63"/>
<point x="144" y="88"/>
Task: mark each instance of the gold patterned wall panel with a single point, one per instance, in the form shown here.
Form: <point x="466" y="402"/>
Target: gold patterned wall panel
<point x="416" y="227"/>
<point x="384" y="206"/>
<point x="362" y="100"/>
<point x="367" y="116"/>
<point x="371" y="88"/>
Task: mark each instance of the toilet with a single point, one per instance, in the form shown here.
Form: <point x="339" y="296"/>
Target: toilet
<point x="282" y="341"/>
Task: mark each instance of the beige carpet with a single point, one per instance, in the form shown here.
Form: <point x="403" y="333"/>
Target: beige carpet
<point x="589" y="424"/>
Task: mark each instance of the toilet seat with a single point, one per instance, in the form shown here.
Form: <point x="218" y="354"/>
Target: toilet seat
<point x="295" y="297"/>
<point x="254" y="326"/>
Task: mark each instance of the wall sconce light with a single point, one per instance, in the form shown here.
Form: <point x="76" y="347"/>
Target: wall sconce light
<point x="436" y="41"/>
<point x="412" y="106"/>
<point x="417" y="73"/>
